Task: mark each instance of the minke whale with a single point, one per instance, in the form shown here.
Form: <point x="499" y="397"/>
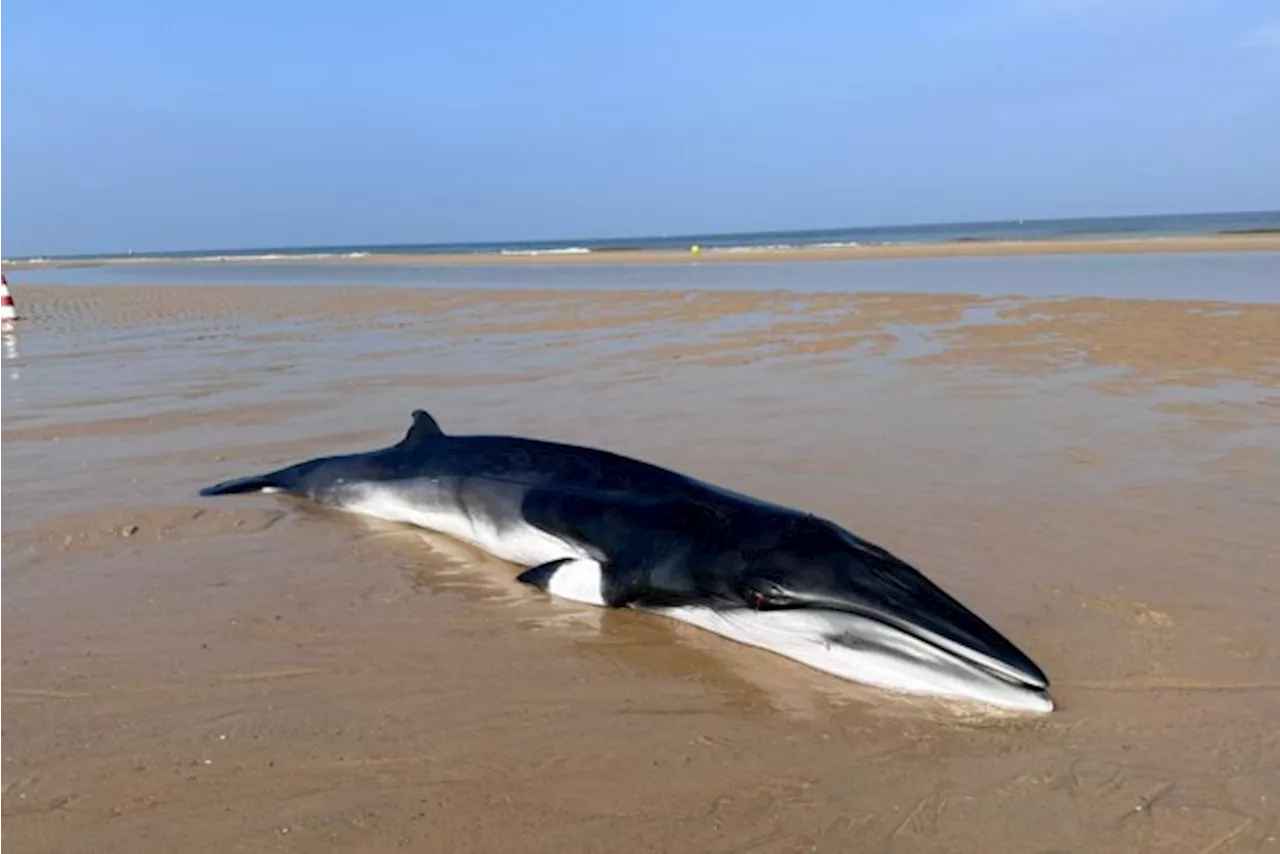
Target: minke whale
<point x="595" y="527"/>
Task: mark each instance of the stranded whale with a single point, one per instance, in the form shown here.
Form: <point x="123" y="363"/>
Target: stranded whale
<point x="600" y="528"/>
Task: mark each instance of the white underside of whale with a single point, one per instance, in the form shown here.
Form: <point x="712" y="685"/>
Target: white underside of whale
<point x="882" y="656"/>
<point x="516" y="542"/>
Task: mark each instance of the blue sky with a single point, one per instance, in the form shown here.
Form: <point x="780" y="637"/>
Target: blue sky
<point x="151" y="125"/>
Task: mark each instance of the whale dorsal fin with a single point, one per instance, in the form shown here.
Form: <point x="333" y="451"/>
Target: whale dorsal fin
<point x="424" y="427"/>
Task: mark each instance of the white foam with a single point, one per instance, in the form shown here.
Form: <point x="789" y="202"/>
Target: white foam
<point x="774" y="247"/>
<point x="254" y="257"/>
<point x="770" y="247"/>
<point x="568" y="250"/>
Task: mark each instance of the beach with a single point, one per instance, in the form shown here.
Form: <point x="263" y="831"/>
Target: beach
<point x="1096" y="475"/>
<point x="1265" y="241"/>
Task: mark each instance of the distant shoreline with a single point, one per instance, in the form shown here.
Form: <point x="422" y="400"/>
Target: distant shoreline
<point x="1260" y="240"/>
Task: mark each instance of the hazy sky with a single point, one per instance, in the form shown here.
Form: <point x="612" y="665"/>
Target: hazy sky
<point x="140" y="124"/>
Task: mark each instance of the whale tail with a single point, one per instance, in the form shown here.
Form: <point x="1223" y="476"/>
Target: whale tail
<point x="253" y="483"/>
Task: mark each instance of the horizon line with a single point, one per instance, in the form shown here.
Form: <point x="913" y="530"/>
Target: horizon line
<point x="498" y="243"/>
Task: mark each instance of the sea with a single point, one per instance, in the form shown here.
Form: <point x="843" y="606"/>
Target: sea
<point x="1237" y="276"/>
<point x="1167" y="225"/>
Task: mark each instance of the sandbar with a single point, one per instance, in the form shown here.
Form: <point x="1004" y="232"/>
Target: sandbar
<point x="1262" y="242"/>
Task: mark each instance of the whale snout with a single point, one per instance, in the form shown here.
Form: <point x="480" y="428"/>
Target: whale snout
<point x="929" y="614"/>
<point x="829" y="570"/>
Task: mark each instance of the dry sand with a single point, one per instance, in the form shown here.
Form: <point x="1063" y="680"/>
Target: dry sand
<point x="1100" y="479"/>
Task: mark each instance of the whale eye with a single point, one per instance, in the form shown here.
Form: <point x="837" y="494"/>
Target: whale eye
<point x="763" y="594"/>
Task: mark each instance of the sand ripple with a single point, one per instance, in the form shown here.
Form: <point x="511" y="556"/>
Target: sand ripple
<point x="251" y="674"/>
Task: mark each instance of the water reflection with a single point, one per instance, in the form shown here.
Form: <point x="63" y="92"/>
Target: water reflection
<point x="1235" y="276"/>
<point x="9" y="337"/>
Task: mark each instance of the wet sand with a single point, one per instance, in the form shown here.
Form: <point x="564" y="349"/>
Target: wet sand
<point x="1098" y="478"/>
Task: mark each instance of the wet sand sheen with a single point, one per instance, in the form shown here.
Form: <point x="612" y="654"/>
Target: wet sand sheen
<point x="1098" y="478"/>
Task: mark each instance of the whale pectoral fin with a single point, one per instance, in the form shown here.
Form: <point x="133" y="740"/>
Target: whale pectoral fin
<point x="576" y="579"/>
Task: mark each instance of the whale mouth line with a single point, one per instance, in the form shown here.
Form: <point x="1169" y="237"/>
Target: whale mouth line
<point x="903" y="624"/>
<point x="956" y="650"/>
<point x="954" y="654"/>
<point x="868" y="649"/>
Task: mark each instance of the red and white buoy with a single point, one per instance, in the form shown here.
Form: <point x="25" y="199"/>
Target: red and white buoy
<point x="8" y="311"/>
